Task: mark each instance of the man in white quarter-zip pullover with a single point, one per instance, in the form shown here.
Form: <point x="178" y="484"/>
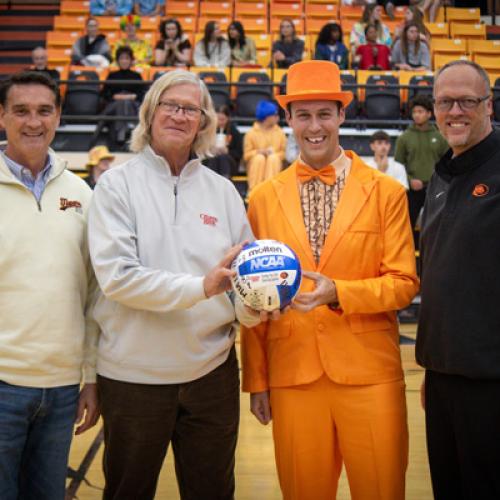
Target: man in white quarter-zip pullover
<point x="163" y="231"/>
<point x="47" y="336"/>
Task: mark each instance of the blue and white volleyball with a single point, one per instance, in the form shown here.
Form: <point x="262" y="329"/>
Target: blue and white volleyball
<point x="267" y="276"/>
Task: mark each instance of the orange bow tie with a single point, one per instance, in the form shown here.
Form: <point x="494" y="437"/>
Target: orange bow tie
<point x="325" y="174"/>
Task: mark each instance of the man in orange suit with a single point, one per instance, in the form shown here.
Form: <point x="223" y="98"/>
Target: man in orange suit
<point x="328" y="372"/>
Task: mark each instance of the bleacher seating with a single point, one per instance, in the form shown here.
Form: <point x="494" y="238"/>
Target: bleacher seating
<point x="457" y="33"/>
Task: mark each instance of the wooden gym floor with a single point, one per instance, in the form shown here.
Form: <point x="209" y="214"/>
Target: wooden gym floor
<point x="255" y="471"/>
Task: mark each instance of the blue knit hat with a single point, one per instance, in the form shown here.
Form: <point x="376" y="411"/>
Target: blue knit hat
<point x="265" y="109"/>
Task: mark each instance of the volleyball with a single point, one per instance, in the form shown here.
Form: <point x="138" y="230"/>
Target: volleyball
<point x="267" y="276"/>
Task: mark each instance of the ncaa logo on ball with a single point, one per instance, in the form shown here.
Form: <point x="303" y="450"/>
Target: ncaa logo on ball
<point x="268" y="275"/>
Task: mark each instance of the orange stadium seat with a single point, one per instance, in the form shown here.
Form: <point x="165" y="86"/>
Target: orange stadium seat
<point x="58" y="56"/>
<point x="176" y="8"/>
<point x="463" y="15"/>
<point x="258" y="25"/>
<point x="400" y="12"/>
<point x="149" y="23"/>
<point x="314" y="24"/>
<point x="262" y="40"/>
<point x="250" y="10"/>
<point x="483" y="47"/>
<point x="75" y="7"/>
<point x="216" y="9"/>
<point x="330" y="2"/>
<point x="189" y="23"/>
<point x="263" y="57"/>
<point x="274" y="25"/>
<point x="285" y="10"/>
<point x="69" y="23"/>
<point x="347" y="25"/>
<point x="440" y="15"/>
<point x="351" y="12"/>
<point x="109" y="23"/>
<point x="322" y="11"/>
<point x="468" y="30"/>
<point x="438" y="30"/>
<point x="488" y="62"/>
<point x="61" y="39"/>
<point x="447" y="46"/>
<point x="441" y="59"/>
<point x="224" y="22"/>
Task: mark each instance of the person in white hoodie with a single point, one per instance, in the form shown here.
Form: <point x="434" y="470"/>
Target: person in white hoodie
<point x="47" y="335"/>
<point x="163" y="231"/>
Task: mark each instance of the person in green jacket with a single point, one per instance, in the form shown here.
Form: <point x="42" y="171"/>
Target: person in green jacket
<point x="418" y="148"/>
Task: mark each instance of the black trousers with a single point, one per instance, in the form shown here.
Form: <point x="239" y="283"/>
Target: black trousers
<point x="463" y="436"/>
<point x="200" y="418"/>
<point x="416" y="200"/>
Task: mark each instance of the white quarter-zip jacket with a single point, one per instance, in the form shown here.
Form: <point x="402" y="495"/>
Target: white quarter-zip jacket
<point x="153" y="237"/>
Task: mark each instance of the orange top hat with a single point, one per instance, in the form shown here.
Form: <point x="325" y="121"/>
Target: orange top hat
<point x="314" y="81"/>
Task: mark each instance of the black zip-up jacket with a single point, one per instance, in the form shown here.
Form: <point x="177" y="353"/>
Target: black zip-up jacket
<point x="459" y="327"/>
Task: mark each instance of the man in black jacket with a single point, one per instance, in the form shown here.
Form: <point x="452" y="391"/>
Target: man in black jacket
<point x="458" y="340"/>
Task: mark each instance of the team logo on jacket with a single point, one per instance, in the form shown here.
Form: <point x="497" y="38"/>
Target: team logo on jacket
<point x="65" y="204"/>
<point x="480" y="190"/>
<point x="209" y="220"/>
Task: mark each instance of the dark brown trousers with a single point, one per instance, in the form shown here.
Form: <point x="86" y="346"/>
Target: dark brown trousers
<point x="200" y="418"/>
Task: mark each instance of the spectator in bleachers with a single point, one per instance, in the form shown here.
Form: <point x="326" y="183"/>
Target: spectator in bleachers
<point x="288" y="49"/>
<point x="413" y="15"/>
<point x="39" y="58"/>
<point x="228" y="145"/>
<point x="149" y="7"/>
<point x="121" y="99"/>
<point x="292" y="149"/>
<point x="243" y="49"/>
<point x="213" y="49"/>
<point x="142" y="49"/>
<point x="387" y="4"/>
<point x="380" y="144"/>
<point x="371" y="15"/>
<point x="174" y="48"/>
<point x="372" y="55"/>
<point x="100" y="160"/>
<point x="91" y="49"/>
<point x="418" y="148"/>
<point x="432" y="6"/>
<point x="330" y="45"/>
<point x="264" y="145"/>
<point x="111" y="7"/>
<point x="409" y="52"/>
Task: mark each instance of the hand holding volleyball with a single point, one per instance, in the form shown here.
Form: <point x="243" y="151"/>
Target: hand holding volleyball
<point x="268" y="275"/>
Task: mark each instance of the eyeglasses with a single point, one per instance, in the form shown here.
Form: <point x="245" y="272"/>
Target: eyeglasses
<point x="464" y="103"/>
<point x="171" y="108"/>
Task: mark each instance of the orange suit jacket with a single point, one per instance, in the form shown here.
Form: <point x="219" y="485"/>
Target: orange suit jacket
<point x="368" y="252"/>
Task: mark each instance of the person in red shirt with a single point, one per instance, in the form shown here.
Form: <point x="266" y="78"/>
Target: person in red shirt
<point x="373" y="55"/>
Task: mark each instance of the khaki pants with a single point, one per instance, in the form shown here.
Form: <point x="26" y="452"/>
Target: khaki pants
<point x="261" y="168"/>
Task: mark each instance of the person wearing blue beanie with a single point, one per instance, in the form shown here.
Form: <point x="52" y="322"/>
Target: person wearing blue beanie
<point x="265" y="109"/>
<point x="264" y="145"/>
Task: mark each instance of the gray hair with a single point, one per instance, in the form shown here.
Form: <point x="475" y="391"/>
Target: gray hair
<point x="205" y="139"/>
<point x="464" y="62"/>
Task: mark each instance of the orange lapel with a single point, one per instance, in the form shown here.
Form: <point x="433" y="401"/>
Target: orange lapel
<point x="358" y="187"/>
<point x="288" y="194"/>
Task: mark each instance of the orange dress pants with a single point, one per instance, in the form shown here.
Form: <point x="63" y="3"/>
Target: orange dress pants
<point x="319" y="426"/>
